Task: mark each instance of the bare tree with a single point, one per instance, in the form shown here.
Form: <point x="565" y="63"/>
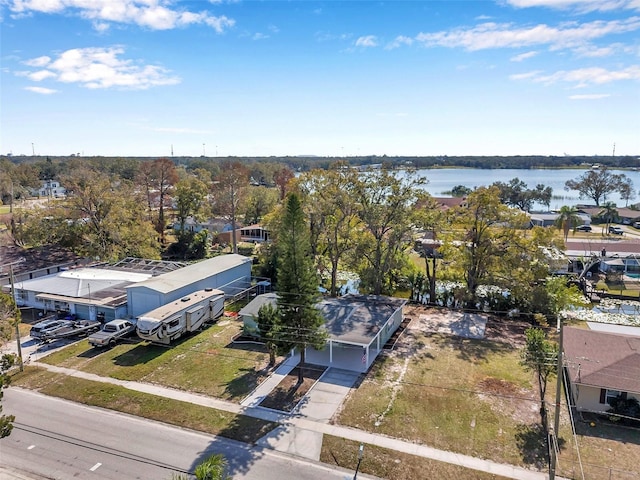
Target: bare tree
<point x="229" y="188"/>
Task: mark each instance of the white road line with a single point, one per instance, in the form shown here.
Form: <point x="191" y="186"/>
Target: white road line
<point x="95" y="467"/>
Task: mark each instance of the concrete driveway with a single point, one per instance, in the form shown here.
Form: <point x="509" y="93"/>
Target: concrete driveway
<point x="319" y="405"/>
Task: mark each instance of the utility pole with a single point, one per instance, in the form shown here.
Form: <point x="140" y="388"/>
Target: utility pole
<point x="13" y="294"/>
<point x="556" y="417"/>
<point x="360" y="455"/>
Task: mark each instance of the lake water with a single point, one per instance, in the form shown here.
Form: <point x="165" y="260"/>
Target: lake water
<point x="444" y="179"/>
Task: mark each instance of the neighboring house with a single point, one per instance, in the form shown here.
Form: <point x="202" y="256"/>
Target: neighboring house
<point x="250" y="234"/>
<point x="229" y="273"/>
<point x="88" y="293"/>
<point x="196" y="226"/>
<point x="50" y="188"/>
<point x="28" y="263"/>
<point x="254" y="234"/>
<point x="601" y="365"/>
<point x="625" y="215"/>
<point x="358" y="327"/>
<point x="548" y="219"/>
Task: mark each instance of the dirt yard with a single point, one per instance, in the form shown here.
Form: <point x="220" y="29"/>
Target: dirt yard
<point x="508" y="331"/>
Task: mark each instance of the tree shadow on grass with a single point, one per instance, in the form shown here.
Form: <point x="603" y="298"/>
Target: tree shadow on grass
<point x="243" y="384"/>
<point x="472" y="350"/>
<point x="531" y="440"/>
<point x="142" y="353"/>
<point x="92" y="352"/>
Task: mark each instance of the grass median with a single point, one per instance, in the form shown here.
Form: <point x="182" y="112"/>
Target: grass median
<point x="183" y="414"/>
<point x="385" y="463"/>
<point x="207" y="363"/>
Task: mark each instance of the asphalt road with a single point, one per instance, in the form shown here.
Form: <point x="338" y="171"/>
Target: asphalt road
<point x="56" y="439"/>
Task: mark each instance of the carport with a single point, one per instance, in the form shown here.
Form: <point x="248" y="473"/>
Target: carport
<point x="358" y="326"/>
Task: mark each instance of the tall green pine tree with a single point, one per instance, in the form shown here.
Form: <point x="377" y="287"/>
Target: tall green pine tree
<point x="297" y="288"/>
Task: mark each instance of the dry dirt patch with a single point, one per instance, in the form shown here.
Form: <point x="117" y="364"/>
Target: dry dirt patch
<point x="289" y="393"/>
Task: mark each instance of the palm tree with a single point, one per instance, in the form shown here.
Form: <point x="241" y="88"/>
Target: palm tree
<point x="213" y="468"/>
<point x="609" y="212"/>
<point x="567" y="219"/>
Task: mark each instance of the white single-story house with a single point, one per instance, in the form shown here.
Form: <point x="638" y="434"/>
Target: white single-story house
<point x="229" y="273"/>
<point x="548" y="219"/>
<point x="195" y="226"/>
<point x="88" y="293"/>
<point x="254" y="233"/>
<point x="601" y="365"/>
<point x="50" y="188"/>
<point x="358" y="327"/>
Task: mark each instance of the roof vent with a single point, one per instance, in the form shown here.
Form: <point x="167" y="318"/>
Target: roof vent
<point x="185" y="299"/>
<point x="208" y="289"/>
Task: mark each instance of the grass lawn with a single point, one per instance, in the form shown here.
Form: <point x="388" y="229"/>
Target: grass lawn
<point x="386" y="463"/>
<point x="174" y="412"/>
<point x="461" y="395"/>
<point x="205" y="363"/>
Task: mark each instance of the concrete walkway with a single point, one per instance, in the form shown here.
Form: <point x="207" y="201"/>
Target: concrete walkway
<point x="299" y="430"/>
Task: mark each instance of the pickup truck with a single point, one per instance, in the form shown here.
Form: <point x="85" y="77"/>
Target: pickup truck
<point x="111" y="332"/>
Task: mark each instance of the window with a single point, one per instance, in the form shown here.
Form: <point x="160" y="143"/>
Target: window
<point x="607" y="396"/>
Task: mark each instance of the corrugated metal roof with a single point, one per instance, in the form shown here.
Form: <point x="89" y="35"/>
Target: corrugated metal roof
<point x="81" y="282"/>
<point x="168" y="282"/>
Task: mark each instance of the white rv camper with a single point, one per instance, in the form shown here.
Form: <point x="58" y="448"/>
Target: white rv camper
<point x="171" y="321"/>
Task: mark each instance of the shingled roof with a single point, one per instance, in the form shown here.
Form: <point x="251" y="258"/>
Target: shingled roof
<point x="603" y="360"/>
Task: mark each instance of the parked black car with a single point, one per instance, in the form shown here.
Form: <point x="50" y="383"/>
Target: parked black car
<point x="584" y="228"/>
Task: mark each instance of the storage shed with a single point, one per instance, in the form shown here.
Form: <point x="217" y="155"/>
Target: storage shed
<point x="229" y="273"/>
<point x="358" y="327"/>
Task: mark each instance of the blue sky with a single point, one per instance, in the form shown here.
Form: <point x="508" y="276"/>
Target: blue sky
<point x="331" y="78"/>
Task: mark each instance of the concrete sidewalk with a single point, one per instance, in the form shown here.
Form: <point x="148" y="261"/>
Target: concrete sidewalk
<point x="300" y="430"/>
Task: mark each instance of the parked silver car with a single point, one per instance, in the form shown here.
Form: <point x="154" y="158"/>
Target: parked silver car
<point x="46" y="328"/>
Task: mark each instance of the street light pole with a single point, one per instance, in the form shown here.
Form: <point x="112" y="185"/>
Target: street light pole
<point x="360" y="455"/>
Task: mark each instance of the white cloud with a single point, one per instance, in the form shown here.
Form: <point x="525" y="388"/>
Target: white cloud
<point x="367" y="41"/>
<point x="153" y="14"/>
<point x="591" y="96"/>
<point x="38" y="62"/>
<point x="102" y="68"/>
<point x="399" y="41"/>
<point x="583" y="77"/>
<point x="259" y="36"/>
<point x="523" y="56"/>
<point x="40" y="75"/>
<point x="494" y="35"/>
<point x="526" y="75"/>
<point x="41" y="90"/>
<point x="583" y="6"/>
